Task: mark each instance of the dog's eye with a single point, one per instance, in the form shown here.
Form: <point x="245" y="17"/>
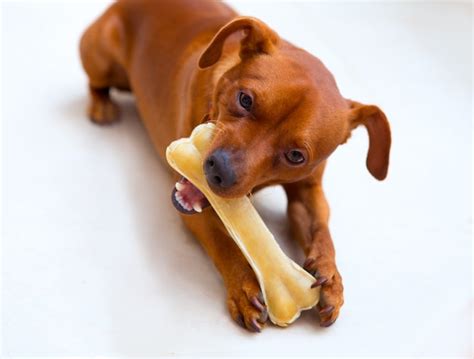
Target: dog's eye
<point x="245" y="101"/>
<point x="295" y="157"/>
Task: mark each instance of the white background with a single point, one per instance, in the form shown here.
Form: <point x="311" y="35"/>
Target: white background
<point x="97" y="262"/>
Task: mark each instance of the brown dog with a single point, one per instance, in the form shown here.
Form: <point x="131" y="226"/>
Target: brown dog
<point x="279" y="115"/>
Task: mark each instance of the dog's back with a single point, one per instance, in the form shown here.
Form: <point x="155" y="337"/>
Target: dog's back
<point x="151" y="48"/>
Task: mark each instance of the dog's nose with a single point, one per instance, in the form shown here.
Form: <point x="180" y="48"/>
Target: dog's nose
<point x="218" y="169"/>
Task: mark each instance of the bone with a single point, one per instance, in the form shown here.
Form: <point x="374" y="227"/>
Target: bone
<point x="286" y="287"/>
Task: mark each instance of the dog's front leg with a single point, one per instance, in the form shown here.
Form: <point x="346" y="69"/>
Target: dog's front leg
<point x="308" y="212"/>
<point x="244" y="298"/>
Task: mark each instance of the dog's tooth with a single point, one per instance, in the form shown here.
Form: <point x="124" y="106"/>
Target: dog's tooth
<point x="179" y="198"/>
<point x="197" y="207"/>
<point x="182" y="202"/>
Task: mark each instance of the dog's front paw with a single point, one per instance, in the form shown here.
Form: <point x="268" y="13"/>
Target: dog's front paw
<point x="328" y="277"/>
<point x="246" y="304"/>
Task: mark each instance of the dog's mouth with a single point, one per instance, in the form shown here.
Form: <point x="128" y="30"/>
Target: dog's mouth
<point x="187" y="198"/>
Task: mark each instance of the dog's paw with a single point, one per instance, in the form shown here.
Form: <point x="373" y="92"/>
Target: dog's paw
<point x="246" y="304"/>
<point x="103" y="112"/>
<point x="328" y="277"/>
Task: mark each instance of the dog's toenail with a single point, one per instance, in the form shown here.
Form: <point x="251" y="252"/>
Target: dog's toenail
<point x="254" y="325"/>
<point x="240" y="321"/>
<point x="319" y="281"/>
<point x="263" y="317"/>
<point x="308" y="262"/>
<point x="326" y="310"/>
<point x="255" y="302"/>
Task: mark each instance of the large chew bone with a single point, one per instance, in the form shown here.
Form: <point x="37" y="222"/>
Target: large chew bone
<point x="286" y="286"/>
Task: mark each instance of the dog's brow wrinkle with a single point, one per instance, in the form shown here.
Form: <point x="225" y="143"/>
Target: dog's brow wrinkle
<point x="254" y="77"/>
<point x="290" y="109"/>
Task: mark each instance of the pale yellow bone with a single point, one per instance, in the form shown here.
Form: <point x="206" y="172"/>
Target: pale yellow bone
<point x="286" y="286"/>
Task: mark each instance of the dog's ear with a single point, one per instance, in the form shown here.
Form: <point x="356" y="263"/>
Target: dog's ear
<point x="380" y="140"/>
<point x="259" y="38"/>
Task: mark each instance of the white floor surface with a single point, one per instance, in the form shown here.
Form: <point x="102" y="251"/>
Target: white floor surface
<point x="95" y="260"/>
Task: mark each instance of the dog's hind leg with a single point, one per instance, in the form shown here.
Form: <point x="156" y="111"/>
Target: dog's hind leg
<point x="102" y="56"/>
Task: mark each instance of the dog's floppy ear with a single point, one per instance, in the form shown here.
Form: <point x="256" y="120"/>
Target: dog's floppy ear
<point x="380" y="140"/>
<point x="259" y="38"/>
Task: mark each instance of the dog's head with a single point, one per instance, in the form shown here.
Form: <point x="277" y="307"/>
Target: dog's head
<point x="279" y="113"/>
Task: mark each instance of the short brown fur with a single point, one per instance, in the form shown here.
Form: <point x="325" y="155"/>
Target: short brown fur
<point x="185" y="61"/>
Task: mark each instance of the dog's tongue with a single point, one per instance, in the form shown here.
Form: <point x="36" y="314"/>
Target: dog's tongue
<point x="187" y="198"/>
